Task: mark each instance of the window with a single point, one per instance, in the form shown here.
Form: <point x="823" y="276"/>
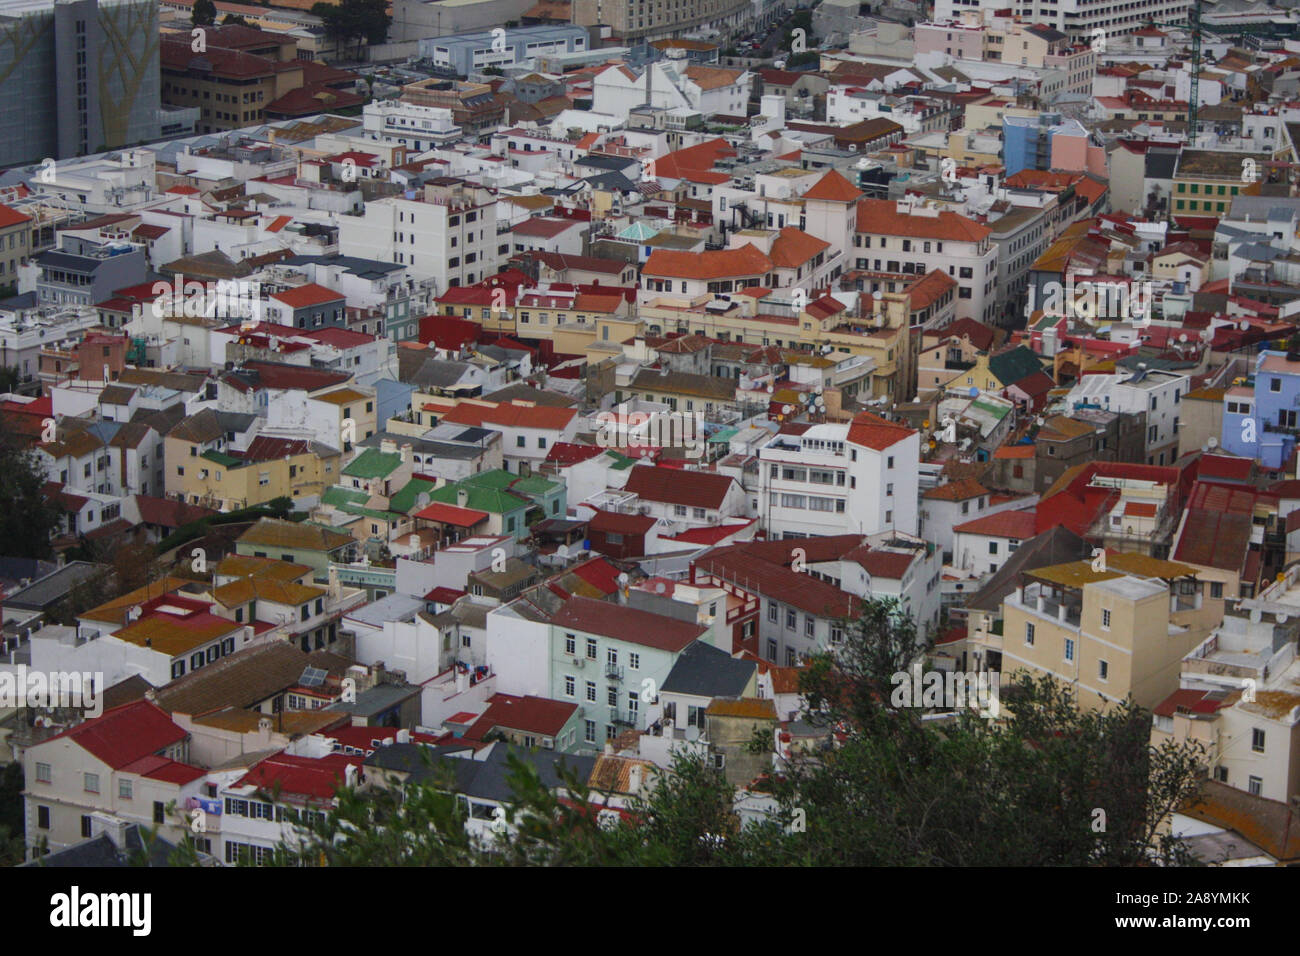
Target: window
<point x="591" y="691"/>
<point x="837" y="635"/>
<point x="771" y="649"/>
<point x="1103" y="670"/>
<point x="570" y="686"/>
<point x="1069" y="649"/>
<point x="1216" y="589"/>
<point x="1221" y="774"/>
<point x="790" y="620"/>
<point x="1105" y="619"/>
<point x="1029" y="634"/>
<point x="1275" y="385"/>
<point x="85" y="828"/>
<point x="808" y="625"/>
<point x="771" y="611"/>
<point x="519" y="441"/>
<point x="43" y="818"/>
<point x="1256" y="786"/>
<point x="591" y="648"/>
<point x="589" y="731"/>
<point x="91" y="782"/>
<point x="1257" y="740"/>
<point x="159" y="811"/>
<point x="993" y="547"/>
<point x="570" y="644"/>
<point x="42" y="773"/>
<point x="611" y="696"/>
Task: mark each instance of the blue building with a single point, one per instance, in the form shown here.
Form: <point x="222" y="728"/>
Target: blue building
<point x="1261" y="417"/>
<point x="1027" y="140"/>
<point x="469" y="53"/>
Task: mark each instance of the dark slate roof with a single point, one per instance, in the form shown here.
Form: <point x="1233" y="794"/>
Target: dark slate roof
<point x="1059" y="545"/>
<point x="614" y="164"/>
<point x="376" y="700"/>
<point x="1161" y="163"/>
<point x="704" y="671"/>
<point x="366" y="268"/>
<point x="100" y="851"/>
<point x="53" y="587"/>
<point x="1015" y="364"/>
<point x="487" y="779"/>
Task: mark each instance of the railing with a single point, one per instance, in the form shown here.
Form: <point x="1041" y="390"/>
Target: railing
<point x="627" y="718"/>
<point x="613" y="672"/>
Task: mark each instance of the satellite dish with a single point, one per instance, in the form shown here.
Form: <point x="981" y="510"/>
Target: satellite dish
<point x="786" y="409"/>
<point x="1282" y="618"/>
<point x="622" y="580"/>
<point x="974" y="391"/>
<point x="562" y="550"/>
<point x="769" y="388"/>
<point x="1213" y="442"/>
<point x="1182" y="337"/>
<point x="1244" y="325"/>
<point x="659" y="587"/>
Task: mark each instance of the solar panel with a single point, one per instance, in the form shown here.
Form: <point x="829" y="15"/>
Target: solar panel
<point x="312" y="677"/>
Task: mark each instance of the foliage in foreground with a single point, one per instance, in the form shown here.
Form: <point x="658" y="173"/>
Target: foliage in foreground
<point x="1047" y="785"/>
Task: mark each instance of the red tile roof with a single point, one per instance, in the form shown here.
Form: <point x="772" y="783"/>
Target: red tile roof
<point x="872" y="431"/>
<point x="627" y="624"/>
<point x="1004" y="524"/>
<point x="962" y="490"/>
<point x="568" y="453"/>
<point x="747" y="260"/>
<point x="536" y="715"/>
<point x="124" y="734"/>
<point x="699" y="489"/>
<point x="307" y="295"/>
<point x="316" y="778"/>
<point x="833" y="188"/>
<point x="612" y="522"/>
<point x="451" y="514"/>
<point x="12" y="217"/>
<point x="881" y="217"/>
<point x="511" y="415"/>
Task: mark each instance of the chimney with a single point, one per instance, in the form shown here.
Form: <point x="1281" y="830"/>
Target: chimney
<point x="403" y="736"/>
<point x="462" y="498"/>
<point x="634" y="779"/>
<point x="388" y="446"/>
<point x="406" y="453"/>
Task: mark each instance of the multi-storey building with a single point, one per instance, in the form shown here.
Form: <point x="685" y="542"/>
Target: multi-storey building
<point x="447" y="234"/>
<point x="80" y="77"/>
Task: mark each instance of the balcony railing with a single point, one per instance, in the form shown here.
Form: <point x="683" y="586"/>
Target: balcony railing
<point x="613" y="672"/>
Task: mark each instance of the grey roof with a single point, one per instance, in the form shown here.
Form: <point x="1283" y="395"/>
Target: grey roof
<point x="101" y="851"/>
<point x="613" y="164"/>
<point x="424" y="446"/>
<point x="704" y="671"/>
<point x="430" y="372"/>
<point x="366" y="268"/>
<point x="395" y="607"/>
<point x="538" y="396"/>
<point x="378" y="699"/>
<point x="53" y="259"/>
<point x="1058" y="545"/>
<point x="53" y="587"/>
<point x="487" y="779"/>
<point x="1160" y="163"/>
<point x="412" y="758"/>
<point x="15" y="569"/>
<point x="25" y="300"/>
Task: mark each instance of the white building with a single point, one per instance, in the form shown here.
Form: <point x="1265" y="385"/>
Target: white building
<point x="1156" y="393"/>
<point x="837" y="479"/>
<point x="409" y="124"/>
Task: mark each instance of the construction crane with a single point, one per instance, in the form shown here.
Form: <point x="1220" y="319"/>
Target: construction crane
<point x="1193" y="24"/>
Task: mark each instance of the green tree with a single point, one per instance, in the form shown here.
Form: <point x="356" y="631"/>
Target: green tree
<point x="27" y="517"/>
<point x="236" y="19"/>
<point x="204" y="14"/>
<point x="360" y="20"/>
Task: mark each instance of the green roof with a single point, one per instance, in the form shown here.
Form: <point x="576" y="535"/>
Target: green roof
<point x="997" y="411"/>
<point x="621" y="461"/>
<point x="337" y="496"/>
<point x="480" y="499"/>
<point x="373" y="463"/>
<point x="723" y="434"/>
<point x="535" y="485"/>
<point x="1015" y="365"/>
<point x="406" y="499"/>
<point x="496" y="478"/>
<point x="228" y="460"/>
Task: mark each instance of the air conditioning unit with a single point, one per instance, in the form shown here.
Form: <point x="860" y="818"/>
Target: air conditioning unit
<point x="579" y="662"/>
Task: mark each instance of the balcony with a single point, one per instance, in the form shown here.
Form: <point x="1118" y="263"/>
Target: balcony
<point x="613" y="672"/>
<point x="625" y="718"/>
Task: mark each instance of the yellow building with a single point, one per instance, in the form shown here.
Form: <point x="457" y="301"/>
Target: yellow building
<point x="1107" y="633"/>
<point x="270" y="468"/>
